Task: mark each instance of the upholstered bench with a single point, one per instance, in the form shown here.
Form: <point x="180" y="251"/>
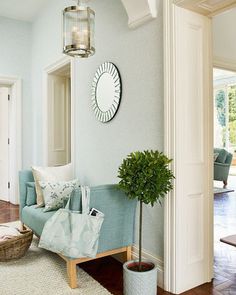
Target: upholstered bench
<point x="117" y="231"/>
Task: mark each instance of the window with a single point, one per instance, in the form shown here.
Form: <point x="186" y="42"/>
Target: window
<point x="225" y="109"/>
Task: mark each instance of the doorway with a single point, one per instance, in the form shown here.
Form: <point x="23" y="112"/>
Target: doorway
<point x="4" y="143"/>
<point x="10" y="138"/>
<point x="59" y="113"/>
<point x="188" y="63"/>
<point x="59" y="121"/>
<point x="224" y="82"/>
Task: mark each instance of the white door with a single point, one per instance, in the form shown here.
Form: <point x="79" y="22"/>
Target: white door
<point x="4" y="152"/>
<point x="59" y="120"/>
<point x="189" y="124"/>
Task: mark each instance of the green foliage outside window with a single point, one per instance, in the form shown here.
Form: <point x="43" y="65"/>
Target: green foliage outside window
<point x="232" y="115"/>
<point x="220" y="103"/>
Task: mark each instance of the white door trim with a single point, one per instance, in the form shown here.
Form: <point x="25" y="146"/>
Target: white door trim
<point x="170" y="231"/>
<point x="48" y="70"/>
<point x="169" y="148"/>
<point x="15" y="119"/>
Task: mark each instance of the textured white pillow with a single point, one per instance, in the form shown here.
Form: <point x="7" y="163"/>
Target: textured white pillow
<point x="55" y="192"/>
<point x="60" y="173"/>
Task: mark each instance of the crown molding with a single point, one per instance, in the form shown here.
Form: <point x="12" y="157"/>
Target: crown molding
<point x="224" y="63"/>
<point x="140" y="12"/>
<point x="206" y="7"/>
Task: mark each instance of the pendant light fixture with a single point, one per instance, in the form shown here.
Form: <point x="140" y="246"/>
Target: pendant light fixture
<point x="78" y="31"/>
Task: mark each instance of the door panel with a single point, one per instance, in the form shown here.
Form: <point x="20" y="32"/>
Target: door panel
<point x="4" y="152"/>
<point x="193" y="195"/>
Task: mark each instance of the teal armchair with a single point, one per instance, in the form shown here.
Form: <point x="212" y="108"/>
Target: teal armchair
<point x="222" y="164"/>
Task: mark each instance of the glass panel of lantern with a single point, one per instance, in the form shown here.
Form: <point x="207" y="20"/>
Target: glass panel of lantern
<point x="78" y="23"/>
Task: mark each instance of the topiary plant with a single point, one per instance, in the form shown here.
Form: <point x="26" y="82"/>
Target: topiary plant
<point x="145" y="176"/>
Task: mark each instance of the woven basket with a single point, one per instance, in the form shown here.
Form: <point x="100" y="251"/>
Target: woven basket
<point x="16" y="247"/>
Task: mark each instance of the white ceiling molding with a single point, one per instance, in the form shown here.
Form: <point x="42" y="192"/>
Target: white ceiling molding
<point x="207" y="7"/>
<point x="224" y="63"/>
<point x="140" y="11"/>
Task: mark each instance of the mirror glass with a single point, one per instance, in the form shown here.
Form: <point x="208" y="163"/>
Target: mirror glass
<point x="105" y="92"/>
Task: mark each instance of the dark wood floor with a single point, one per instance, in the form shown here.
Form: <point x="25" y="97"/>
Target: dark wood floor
<point x="8" y="212"/>
<point x="108" y="271"/>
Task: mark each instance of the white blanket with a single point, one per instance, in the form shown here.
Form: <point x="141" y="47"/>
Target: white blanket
<point x="7" y="232"/>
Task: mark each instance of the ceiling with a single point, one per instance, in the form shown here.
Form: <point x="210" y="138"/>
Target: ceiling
<point x="25" y="10"/>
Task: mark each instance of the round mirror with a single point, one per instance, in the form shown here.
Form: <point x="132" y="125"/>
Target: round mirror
<point x="106" y="92"/>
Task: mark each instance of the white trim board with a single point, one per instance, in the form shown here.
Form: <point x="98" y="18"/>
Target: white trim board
<point x="15" y="134"/>
<point x="47" y="71"/>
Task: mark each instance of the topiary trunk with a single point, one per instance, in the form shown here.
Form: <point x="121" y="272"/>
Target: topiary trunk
<point x="140" y="236"/>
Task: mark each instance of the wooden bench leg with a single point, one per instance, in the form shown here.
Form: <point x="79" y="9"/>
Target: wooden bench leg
<point x="72" y="273"/>
<point x="127" y="254"/>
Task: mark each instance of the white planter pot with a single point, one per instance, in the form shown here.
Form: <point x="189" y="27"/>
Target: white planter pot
<point x="139" y="283"/>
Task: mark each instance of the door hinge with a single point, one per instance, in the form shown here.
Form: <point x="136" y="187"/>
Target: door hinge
<point x="9" y="96"/>
<point x="8" y="141"/>
<point x="9" y="184"/>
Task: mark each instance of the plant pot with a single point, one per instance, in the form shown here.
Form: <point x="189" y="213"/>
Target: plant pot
<point x="140" y="283"/>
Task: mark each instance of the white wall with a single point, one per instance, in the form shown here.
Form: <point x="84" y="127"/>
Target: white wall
<point x="224" y="33"/>
<point x="138" y="124"/>
<point x="15" y="60"/>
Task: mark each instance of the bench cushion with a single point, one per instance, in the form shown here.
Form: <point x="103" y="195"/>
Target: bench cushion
<point x="35" y="218"/>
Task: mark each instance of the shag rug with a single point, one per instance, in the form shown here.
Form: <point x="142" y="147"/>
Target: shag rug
<point x="41" y="272"/>
<point x="219" y="190"/>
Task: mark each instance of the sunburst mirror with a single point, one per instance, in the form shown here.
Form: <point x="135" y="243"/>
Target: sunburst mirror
<point x="106" y="92"/>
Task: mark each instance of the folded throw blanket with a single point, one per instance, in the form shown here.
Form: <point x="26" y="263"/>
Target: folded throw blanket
<point x="7" y="232"/>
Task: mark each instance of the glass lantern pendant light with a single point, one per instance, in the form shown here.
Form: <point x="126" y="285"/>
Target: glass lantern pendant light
<point x="78" y="27"/>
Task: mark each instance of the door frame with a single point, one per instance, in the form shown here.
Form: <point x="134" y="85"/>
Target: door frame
<point x="47" y="71"/>
<point x="170" y="230"/>
<point x="15" y="134"/>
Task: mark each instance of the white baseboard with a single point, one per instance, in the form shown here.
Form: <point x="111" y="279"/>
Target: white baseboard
<point x="159" y="262"/>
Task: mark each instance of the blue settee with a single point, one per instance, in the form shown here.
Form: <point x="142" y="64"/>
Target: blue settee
<point x="117" y="230"/>
<point x="222" y="165"/>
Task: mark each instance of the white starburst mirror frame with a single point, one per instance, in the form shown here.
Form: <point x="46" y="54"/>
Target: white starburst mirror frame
<point x="106" y="92"/>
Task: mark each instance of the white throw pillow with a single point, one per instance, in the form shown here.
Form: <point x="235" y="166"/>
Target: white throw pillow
<point x="60" y="173"/>
<point x="55" y="192"/>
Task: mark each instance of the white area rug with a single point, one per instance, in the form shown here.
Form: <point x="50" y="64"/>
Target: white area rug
<point x="42" y="272"/>
<point x="220" y="190"/>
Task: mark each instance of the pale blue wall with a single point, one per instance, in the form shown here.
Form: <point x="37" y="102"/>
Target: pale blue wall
<point x="224" y="45"/>
<point x="138" y="125"/>
<point x="15" y="60"/>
